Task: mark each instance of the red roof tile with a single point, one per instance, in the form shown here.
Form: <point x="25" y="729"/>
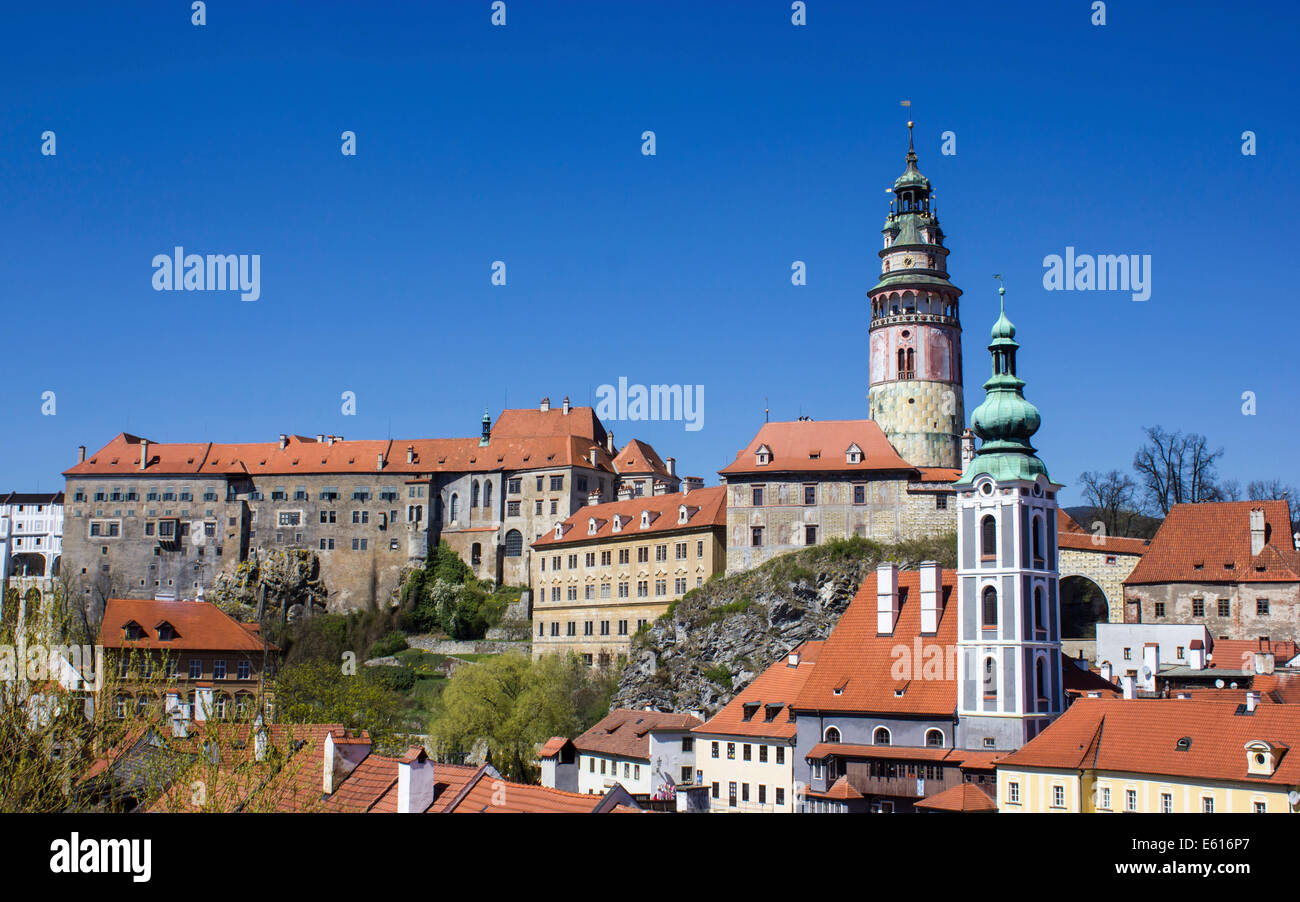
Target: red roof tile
<point x="862" y="664"/>
<point x="710" y="510"/>
<point x="965" y="797"/>
<point x="1196" y="541"/>
<point x="1069" y="534"/>
<point x="198" y="624"/>
<point x="812" y="446"/>
<point x="626" y="733"/>
<point x="840" y="790"/>
<point x="771" y="692"/>
<point x="553" y="746"/>
<point x="638" y="457"/>
<point x="1142" y="736"/>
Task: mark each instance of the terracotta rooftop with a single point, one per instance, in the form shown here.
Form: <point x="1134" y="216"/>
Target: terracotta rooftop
<point x="762" y="709"/>
<point x="1143" y="736"/>
<point x="1210" y="543"/>
<point x="704" y="508"/>
<point x="855" y="670"/>
<point x="840" y="790"/>
<point x="1069" y="534"/>
<point x="625" y="733"/>
<point x="638" y="457"/>
<point x="553" y="746"/>
<point x="198" y="625"/>
<point x="964" y="797"/>
<point x="812" y="446"/>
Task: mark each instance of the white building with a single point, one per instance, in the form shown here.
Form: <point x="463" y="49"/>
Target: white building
<point x="1138" y="650"/>
<point x="31" y="541"/>
<point x="647" y="752"/>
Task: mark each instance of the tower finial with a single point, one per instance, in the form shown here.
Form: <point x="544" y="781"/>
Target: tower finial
<point x="1002" y="293"/>
<point x="909" y="135"/>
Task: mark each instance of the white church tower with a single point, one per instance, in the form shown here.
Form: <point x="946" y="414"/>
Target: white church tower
<point x="1009" y="627"/>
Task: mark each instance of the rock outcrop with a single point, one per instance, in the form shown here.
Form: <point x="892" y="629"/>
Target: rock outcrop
<point x="717" y="638"/>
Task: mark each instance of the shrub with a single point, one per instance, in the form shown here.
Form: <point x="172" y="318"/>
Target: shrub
<point x="387" y="644"/>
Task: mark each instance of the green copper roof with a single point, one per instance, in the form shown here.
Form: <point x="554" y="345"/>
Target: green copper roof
<point x="1005" y="421"/>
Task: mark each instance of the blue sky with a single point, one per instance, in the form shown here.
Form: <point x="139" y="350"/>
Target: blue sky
<point x="522" y="144"/>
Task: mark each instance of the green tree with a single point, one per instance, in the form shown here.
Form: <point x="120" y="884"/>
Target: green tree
<point x="317" y="690"/>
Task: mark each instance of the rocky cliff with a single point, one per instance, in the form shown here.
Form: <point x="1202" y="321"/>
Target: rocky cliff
<point x="717" y="638"/>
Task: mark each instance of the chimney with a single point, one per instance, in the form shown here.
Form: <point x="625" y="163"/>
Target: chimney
<point x="202" y="702"/>
<point x="341" y="757"/>
<point x="545" y="405"/>
<point x="1126" y="686"/>
<point x="410" y="454"/>
<point x="259" y="739"/>
<point x="930" y="582"/>
<point x="1105" y="671"/>
<point x="180" y="723"/>
<point x="886" y="598"/>
<point x="1264" y="662"/>
<point x="967" y="448"/>
<point x="793" y="660"/>
<point x="566" y="405"/>
<point x="144" y="453"/>
<point x="1150" y="664"/>
<point x="379" y="460"/>
<point x="671" y="463"/>
<point x="1295" y="537"/>
<point x="661" y="487"/>
<point x="414" y="782"/>
<point x="1256" y="531"/>
<point x="284" y="441"/>
<point x="593" y="497"/>
<point x="591" y="454"/>
<point x="81" y="459"/>
<point x="625" y="491"/>
<point x="1252" y="700"/>
<point x="320" y="436"/>
<point x="1196" y="655"/>
<point x="691" y="483"/>
<point x="609" y="446"/>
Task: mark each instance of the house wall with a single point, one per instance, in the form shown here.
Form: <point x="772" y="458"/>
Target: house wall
<point x="1084" y="793"/>
<point x="1242" y="622"/>
<point x="716" y="769"/>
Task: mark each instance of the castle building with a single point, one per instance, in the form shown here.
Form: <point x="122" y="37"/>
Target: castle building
<point x="915" y="337"/>
<point x="146" y="518"/>
<point x="1008" y="638"/>
<point x="31" y="545"/>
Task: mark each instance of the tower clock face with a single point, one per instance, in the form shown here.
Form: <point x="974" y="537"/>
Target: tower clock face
<point x="907" y="261"/>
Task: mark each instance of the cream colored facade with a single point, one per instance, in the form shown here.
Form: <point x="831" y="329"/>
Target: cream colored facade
<point x="1042" y="790"/>
<point x="760" y="770"/>
<point x="593" y="595"/>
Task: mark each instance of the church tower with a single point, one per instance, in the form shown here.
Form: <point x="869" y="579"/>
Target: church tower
<point x="915" y="389"/>
<point x="1009" y="624"/>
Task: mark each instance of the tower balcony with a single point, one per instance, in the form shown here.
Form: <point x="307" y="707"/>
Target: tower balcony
<point x="893" y="319"/>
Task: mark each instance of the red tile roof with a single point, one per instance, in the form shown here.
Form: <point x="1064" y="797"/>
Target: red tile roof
<point x="490" y="795"/>
<point x="964" y="797"/>
<point x="305" y="456"/>
<point x="1069" y="534"/>
<point x="710" y="504"/>
<point x="839" y="790"/>
<point x="637" y="458"/>
<point x="823" y="750"/>
<point x="1213" y="535"/>
<point x="625" y="733"/>
<point x="553" y="746"/>
<point x="1142" y="735"/>
<point x="812" y="446"/>
<point x="862" y="664"/>
<point x="198" y="624"/>
<point x="1239" y="654"/>
<point x="772" y="692"/>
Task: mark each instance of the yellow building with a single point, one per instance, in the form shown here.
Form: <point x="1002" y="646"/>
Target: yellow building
<point x="610" y="568"/>
<point x="1158" y="756"/>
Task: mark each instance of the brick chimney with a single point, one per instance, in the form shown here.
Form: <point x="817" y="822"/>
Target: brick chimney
<point x="414" y="782"/>
<point x="691" y="483"/>
<point x="930" y="589"/>
<point x="593" y="497"/>
<point x="566" y="405"/>
<point x="886" y="598"/>
<point x="1256" y="531"/>
<point x="671" y="464"/>
<point x="661" y="487"/>
<point x="545" y="405"/>
<point x="144" y="453"/>
<point x="81" y="459"/>
<point x="609" y="446"/>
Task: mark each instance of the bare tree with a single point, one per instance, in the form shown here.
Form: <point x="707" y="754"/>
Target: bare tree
<point x="1112" y="497"/>
<point x="1275" y="490"/>
<point x="1174" y="468"/>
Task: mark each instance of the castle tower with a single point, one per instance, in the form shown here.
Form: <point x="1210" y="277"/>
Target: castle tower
<point x="915" y="389"/>
<point x="1009" y="624"/>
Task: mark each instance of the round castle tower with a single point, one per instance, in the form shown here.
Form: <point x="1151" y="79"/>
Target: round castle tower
<point x="915" y="389"/>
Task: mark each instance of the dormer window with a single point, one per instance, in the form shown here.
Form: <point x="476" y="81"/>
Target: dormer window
<point x="648" y="517"/>
<point x="133" y="630"/>
<point x="591" y="526"/>
<point x="618" y="523"/>
<point x="682" y="516"/>
<point x="751" y="708"/>
<point x="1262" y="757"/>
<point x="854" y="454"/>
<point x="559" y="530"/>
<point x="166" y="632"/>
<point x="763" y="456"/>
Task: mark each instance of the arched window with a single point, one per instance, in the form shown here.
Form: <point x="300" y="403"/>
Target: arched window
<point x="832" y="735"/>
<point x="988" y="538"/>
<point x="990" y="680"/>
<point x="1040" y="683"/>
<point x="881" y="736"/>
<point x="902" y="362"/>
<point x="475" y="554"/>
<point x="911" y="362"/>
<point x="1040" y="609"/>
<point x="989" y="608"/>
<point x="455" y="506"/>
<point x="934" y="739"/>
<point x="473" y="496"/>
<point x="487" y="494"/>
<point x="1038" y="543"/>
<point x="514" y="543"/>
